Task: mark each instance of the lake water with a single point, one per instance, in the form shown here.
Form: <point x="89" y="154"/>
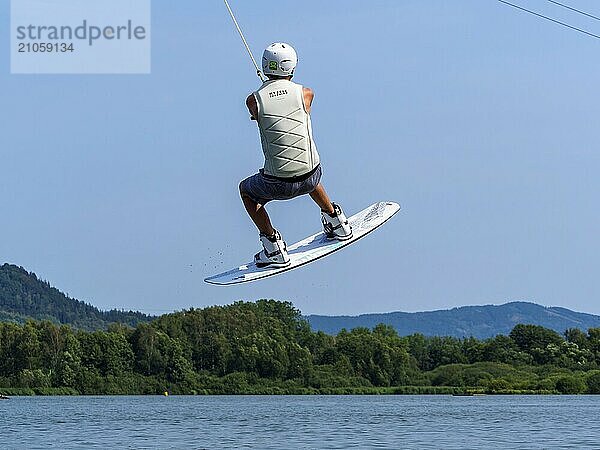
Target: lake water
<point x="288" y="422"/>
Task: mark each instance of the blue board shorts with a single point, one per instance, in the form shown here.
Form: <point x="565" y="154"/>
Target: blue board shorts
<point x="263" y="188"/>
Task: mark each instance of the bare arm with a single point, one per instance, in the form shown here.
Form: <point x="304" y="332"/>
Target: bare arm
<point x="252" y="106"/>
<point x="309" y="95"/>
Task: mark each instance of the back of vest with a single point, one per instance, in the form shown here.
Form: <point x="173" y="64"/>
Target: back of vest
<point x="285" y="130"/>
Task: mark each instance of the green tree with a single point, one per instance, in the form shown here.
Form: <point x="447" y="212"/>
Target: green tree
<point x="157" y="354"/>
<point x="109" y="352"/>
<point x="593" y="383"/>
<point x="570" y="385"/>
<point x="380" y="355"/>
<point x="594" y="343"/>
<point x="417" y="348"/>
<point x="535" y="340"/>
<point x="444" y="350"/>
<point x="69" y="362"/>
<point x="503" y="349"/>
<point x="576" y="336"/>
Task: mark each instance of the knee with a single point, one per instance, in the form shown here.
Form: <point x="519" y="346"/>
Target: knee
<point x="243" y="193"/>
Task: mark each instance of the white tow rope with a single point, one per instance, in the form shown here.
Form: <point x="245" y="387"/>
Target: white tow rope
<point x="258" y="71"/>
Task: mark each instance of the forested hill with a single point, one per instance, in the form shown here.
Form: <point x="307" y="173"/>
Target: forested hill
<point x="478" y="321"/>
<point x="24" y="296"/>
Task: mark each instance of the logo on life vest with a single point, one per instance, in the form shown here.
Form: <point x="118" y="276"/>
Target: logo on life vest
<point x="272" y="65"/>
<point x="273" y="94"/>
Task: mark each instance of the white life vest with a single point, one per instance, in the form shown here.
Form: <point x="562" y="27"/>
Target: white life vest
<point x="285" y="130"/>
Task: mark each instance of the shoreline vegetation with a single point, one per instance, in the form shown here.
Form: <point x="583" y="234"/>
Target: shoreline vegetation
<point x="268" y="348"/>
<point x="262" y="390"/>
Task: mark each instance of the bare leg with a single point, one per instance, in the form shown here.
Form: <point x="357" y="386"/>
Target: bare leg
<point x="322" y="199"/>
<point x="259" y="216"/>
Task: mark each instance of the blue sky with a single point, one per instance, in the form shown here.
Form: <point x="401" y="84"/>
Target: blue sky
<point x="480" y="120"/>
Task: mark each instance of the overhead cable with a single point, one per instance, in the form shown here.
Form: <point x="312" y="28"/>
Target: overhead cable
<point x="574" y="9"/>
<point x="550" y="19"/>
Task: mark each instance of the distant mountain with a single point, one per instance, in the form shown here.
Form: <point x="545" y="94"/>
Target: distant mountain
<point x="23" y="296"/>
<point x="477" y="321"/>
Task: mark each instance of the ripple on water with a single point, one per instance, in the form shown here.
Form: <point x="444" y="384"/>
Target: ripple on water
<point x="271" y="422"/>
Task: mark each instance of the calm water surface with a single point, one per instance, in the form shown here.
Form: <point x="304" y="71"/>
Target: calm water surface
<point x="288" y="422"/>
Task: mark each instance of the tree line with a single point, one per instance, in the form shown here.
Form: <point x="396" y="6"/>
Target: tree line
<point x="267" y="347"/>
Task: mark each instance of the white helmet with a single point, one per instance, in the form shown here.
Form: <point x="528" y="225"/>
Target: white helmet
<point x="279" y="59"/>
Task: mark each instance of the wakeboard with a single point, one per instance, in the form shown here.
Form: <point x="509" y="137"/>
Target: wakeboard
<point x="313" y="247"/>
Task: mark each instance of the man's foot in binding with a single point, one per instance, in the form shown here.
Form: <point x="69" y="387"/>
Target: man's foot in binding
<point x="274" y="252"/>
<point x="335" y="225"/>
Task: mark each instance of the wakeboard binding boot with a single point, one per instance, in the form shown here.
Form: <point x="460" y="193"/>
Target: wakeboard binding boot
<point x="274" y="252"/>
<point x="335" y="225"/>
